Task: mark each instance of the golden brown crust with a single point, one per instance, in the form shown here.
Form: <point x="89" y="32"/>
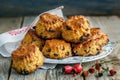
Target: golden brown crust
<point x="31" y="37"/>
<point x="76" y="29"/>
<point x="27" y="58"/>
<point x="93" y="45"/>
<point x="48" y="26"/>
<point x="57" y="49"/>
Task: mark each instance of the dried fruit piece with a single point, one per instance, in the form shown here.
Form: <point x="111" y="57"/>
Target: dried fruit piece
<point x="100" y="74"/>
<point x="98" y="66"/>
<point x="74" y="74"/>
<point x="92" y="70"/>
<point x="85" y="73"/>
<point x="112" y="72"/>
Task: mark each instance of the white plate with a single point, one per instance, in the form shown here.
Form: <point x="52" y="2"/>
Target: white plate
<point x="107" y="49"/>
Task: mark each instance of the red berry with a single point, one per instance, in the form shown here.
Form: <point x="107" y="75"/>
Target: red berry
<point x="74" y="74"/>
<point x="100" y="74"/>
<point x="92" y="70"/>
<point x="112" y="72"/>
<point x="77" y="68"/>
<point x="98" y="66"/>
<point x="68" y="69"/>
<point x="85" y="73"/>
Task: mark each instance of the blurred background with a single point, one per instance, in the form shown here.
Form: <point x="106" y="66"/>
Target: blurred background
<point x="10" y="8"/>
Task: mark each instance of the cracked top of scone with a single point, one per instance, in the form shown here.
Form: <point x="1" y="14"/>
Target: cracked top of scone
<point x="48" y="26"/>
<point x="51" y="21"/>
<point x="24" y="51"/>
<point x="76" y="22"/>
<point x="97" y="33"/>
<point x="76" y="29"/>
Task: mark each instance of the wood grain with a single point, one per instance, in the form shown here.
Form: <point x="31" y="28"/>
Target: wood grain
<point x="109" y="25"/>
<point x="4" y="68"/>
<point x="7" y="24"/>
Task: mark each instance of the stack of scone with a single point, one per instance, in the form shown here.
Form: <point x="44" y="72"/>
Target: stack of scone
<point x="57" y="39"/>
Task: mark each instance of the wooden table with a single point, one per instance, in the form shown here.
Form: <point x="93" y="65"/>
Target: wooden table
<point x="109" y="24"/>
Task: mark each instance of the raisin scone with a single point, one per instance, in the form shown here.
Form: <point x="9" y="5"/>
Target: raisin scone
<point x="93" y="45"/>
<point x="27" y="58"/>
<point x="76" y="29"/>
<point x="31" y="37"/>
<point x="57" y="49"/>
<point x="48" y="26"/>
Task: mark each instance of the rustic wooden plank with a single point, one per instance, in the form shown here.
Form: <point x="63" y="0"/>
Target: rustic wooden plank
<point x="110" y="25"/>
<point x="86" y="66"/>
<point x="39" y="74"/>
<point x="4" y="68"/>
<point x="9" y="24"/>
<point x="116" y="64"/>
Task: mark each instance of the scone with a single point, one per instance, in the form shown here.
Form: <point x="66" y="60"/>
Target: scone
<point x="76" y="29"/>
<point x="48" y="26"/>
<point x="93" y="45"/>
<point x="31" y="37"/>
<point x="27" y="58"/>
<point x="97" y="33"/>
<point x="56" y="49"/>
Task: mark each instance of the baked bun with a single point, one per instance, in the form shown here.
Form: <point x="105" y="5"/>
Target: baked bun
<point x="27" y="58"/>
<point x="76" y="29"/>
<point x="31" y="37"/>
<point x="57" y="49"/>
<point x="97" y="33"/>
<point x="93" y="45"/>
<point x="48" y="26"/>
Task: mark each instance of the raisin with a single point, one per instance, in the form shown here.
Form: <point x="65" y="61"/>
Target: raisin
<point x="63" y="48"/>
<point x="34" y="27"/>
<point x="97" y="49"/>
<point x="67" y="54"/>
<point x="54" y="21"/>
<point x="47" y="55"/>
<point x="86" y="29"/>
<point x="81" y="39"/>
<point x="85" y="51"/>
<point x="98" y="52"/>
<point x="51" y="30"/>
<point x="24" y="71"/>
<point x="68" y="28"/>
<point x="87" y="35"/>
<point x="41" y="33"/>
<point x="55" y="54"/>
<point x="100" y="74"/>
<point x="48" y="50"/>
